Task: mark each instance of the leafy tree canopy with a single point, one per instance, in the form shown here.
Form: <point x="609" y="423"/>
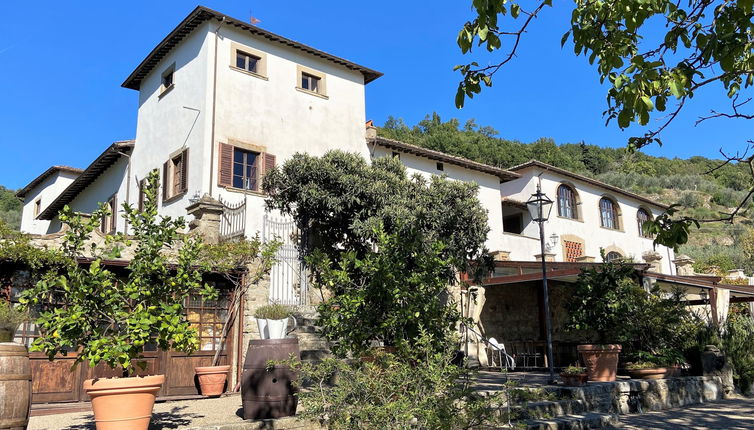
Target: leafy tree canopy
<point x="341" y="200"/>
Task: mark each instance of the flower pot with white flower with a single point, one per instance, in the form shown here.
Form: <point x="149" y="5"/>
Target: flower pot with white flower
<point x="272" y="321"/>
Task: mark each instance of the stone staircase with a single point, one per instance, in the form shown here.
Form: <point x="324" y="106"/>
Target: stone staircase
<point x="600" y="405"/>
<point x="312" y="346"/>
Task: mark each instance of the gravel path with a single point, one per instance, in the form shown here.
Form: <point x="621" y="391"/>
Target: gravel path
<point x="167" y="415"/>
<point x="733" y="414"/>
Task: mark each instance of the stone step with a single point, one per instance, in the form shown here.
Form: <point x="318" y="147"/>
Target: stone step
<point x="306" y="329"/>
<point x="589" y="420"/>
<point x="549" y="409"/>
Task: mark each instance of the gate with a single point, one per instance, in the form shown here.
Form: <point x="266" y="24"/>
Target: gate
<point x="289" y="281"/>
<point x="233" y="220"/>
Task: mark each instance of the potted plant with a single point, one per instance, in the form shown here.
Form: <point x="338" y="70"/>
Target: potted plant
<point x="272" y="321"/>
<point x="15" y="369"/>
<point x="109" y="318"/>
<point x="599" y="305"/>
<point x="573" y="376"/>
<point x="243" y="264"/>
<point x="646" y="370"/>
<point x="10" y="318"/>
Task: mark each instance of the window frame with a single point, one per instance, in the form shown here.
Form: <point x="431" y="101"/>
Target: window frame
<point x="173" y="189"/>
<point x="321" y="91"/>
<point x="574" y="201"/>
<point x="254" y="167"/>
<point x="169" y="71"/>
<point x="109" y="223"/>
<point x="640" y="223"/>
<point x="264" y="161"/>
<point x="614" y="215"/>
<point x="37" y="207"/>
<point x="616" y="256"/>
<point x="261" y="69"/>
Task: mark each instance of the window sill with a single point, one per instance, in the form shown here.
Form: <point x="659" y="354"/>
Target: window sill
<point x="173" y="198"/>
<point x="246" y="72"/>
<point x="243" y="191"/>
<point x="165" y="91"/>
<point x="521" y="235"/>
<point x="305" y="91"/>
<point x="612" y="229"/>
<point x="570" y="219"/>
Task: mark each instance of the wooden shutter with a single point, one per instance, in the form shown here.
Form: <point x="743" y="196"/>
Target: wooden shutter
<point x="225" y="168"/>
<point x="114" y="213"/>
<point x="267" y="165"/>
<point x="184" y="171"/>
<point x="165" y="180"/>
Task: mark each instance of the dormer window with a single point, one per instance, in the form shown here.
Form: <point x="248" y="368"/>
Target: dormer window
<point x="247" y="62"/>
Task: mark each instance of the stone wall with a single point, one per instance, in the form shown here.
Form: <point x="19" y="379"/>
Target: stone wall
<point x="511" y="312"/>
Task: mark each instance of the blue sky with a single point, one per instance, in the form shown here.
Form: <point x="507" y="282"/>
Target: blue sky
<point x="63" y="63"/>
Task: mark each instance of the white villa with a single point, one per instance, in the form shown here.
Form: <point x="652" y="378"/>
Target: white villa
<point x="222" y="101"/>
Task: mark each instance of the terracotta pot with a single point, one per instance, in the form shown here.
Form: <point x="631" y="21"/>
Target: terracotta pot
<point x="574" y="380"/>
<point x="123" y="403"/>
<point x="601" y="361"/>
<point x="653" y="373"/>
<point x="212" y="379"/>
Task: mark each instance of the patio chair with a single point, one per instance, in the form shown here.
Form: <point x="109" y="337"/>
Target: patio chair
<point x="505" y="361"/>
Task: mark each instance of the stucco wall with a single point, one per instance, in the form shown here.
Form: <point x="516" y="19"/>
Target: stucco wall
<point x="626" y="240"/>
<point x="177" y="119"/>
<point x="489" y="192"/>
<point x="111" y="181"/>
<point x="47" y="191"/>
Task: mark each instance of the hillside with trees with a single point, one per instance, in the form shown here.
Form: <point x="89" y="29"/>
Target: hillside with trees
<point x="700" y="185"/>
<point x="10" y="208"/>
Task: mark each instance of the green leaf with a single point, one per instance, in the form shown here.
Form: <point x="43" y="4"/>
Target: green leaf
<point x="648" y="103"/>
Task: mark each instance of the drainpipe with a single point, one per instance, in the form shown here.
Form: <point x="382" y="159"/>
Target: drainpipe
<point x="128" y="189"/>
<point x="214" y="111"/>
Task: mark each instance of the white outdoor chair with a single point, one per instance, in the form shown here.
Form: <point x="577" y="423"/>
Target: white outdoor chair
<point x="504" y="360"/>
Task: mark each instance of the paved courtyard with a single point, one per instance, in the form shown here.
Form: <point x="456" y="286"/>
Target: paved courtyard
<point x="731" y="414"/>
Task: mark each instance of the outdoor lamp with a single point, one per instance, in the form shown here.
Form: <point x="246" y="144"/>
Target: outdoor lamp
<point x="539" y="206"/>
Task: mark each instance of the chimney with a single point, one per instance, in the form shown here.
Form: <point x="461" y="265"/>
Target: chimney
<point x="371" y="130"/>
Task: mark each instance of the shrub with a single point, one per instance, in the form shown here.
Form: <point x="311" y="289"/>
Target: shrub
<point x="601" y="300"/>
<point x="573" y="370"/>
<point x="425" y="392"/>
<point x="110" y="319"/>
<point x="272" y="312"/>
<point x="738" y="342"/>
<point x="388" y="295"/>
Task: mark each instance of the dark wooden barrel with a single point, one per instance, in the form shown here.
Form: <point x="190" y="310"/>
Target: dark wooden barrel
<point x="15" y="386"/>
<point x="269" y="393"/>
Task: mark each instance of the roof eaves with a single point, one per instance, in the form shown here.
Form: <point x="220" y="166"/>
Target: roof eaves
<point x="201" y="14"/>
<point x="99" y="165"/>
<point x="564" y="172"/>
<point x="47" y="173"/>
<point x="446" y="158"/>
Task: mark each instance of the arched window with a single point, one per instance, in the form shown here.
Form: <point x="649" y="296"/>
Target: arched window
<point x="567" y="202"/>
<point x="612" y="256"/>
<point x="642" y="216"/>
<point x="609" y="213"/>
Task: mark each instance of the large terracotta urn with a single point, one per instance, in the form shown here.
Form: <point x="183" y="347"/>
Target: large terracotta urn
<point x="601" y="361"/>
<point x="123" y="403"/>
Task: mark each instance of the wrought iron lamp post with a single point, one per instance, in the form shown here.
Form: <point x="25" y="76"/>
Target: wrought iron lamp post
<point x="539" y="206"/>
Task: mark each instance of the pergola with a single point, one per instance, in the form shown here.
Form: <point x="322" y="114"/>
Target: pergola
<point x="708" y="293"/>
